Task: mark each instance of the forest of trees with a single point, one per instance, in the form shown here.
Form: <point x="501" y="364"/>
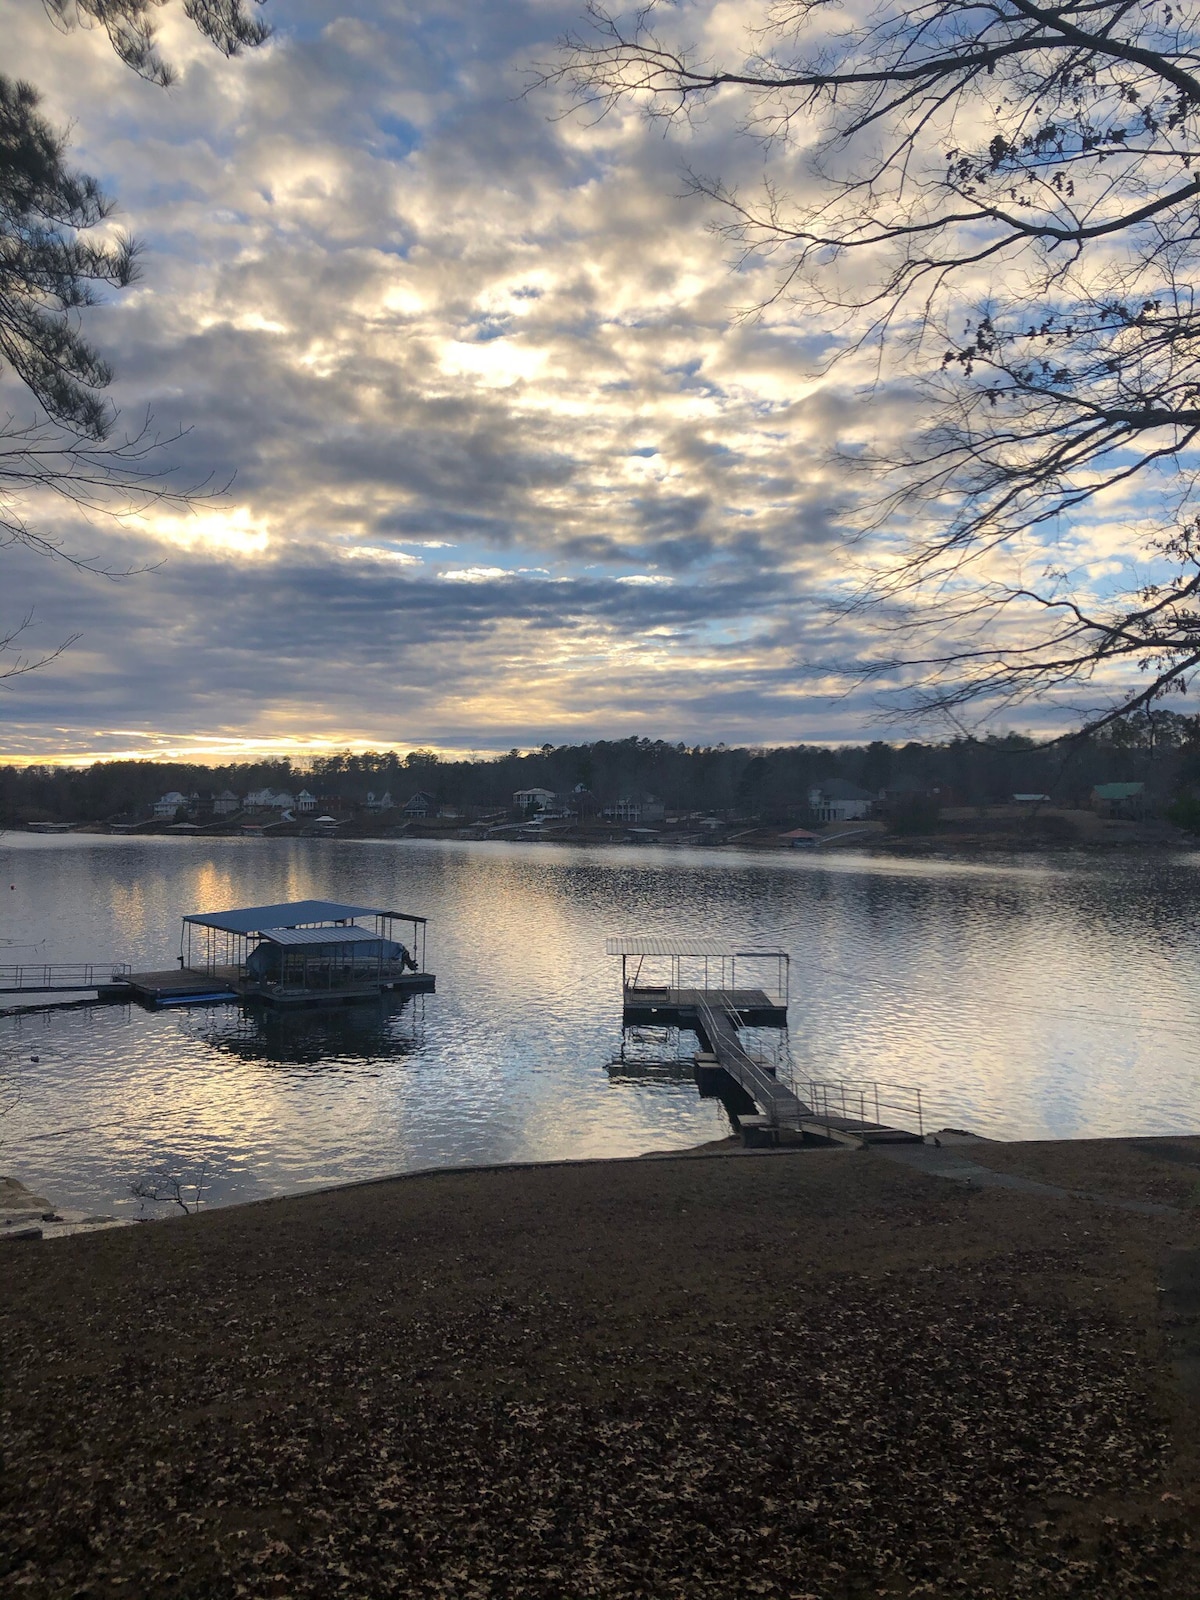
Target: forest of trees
<point x="1161" y="750"/>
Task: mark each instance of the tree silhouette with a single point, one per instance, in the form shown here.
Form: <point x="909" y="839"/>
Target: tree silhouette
<point x="52" y="267"/>
<point x="1001" y="198"/>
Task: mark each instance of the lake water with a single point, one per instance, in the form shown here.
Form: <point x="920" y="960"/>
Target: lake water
<point x="1035" y="998"/>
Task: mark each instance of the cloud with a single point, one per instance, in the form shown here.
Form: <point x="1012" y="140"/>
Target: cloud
<point x="505" y="465"/>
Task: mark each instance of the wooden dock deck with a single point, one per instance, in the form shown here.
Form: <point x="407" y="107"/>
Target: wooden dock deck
<point x="187" y="986"/>
<point x="680" y="1008"/>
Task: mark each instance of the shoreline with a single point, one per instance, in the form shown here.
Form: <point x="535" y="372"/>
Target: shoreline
<point x="1116" y="840"/>
<point x="1019" y="1157"/>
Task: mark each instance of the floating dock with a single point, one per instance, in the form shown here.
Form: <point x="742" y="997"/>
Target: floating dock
<point x="298" y="954"/>
<point x="715" y="1008"/>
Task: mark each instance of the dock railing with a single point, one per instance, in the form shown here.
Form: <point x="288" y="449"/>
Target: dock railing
<point x="759" y="1079"/>
<point x="840" y="1100"/>
<point x="44" y="977"/>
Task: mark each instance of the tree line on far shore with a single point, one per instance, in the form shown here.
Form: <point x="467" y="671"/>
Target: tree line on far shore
<point x="1161" y="750"/>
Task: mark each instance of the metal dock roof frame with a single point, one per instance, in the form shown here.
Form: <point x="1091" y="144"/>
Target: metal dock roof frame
<point x="289" y="922"/>
<point x="682" y="948"/>
<point x="291" y="914"/>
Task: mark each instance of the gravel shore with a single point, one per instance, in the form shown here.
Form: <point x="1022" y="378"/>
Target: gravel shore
<point x="811" y="1374"/>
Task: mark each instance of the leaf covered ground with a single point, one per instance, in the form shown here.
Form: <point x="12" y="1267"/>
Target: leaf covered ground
<point x="795" y="1375"/>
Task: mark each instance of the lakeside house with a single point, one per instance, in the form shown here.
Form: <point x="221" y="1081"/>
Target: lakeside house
<point x="305" y="802"/>
<point x="908" y="790"/>
<point x="533" y="799"/>
<point x="270" y="800"/>
<point x="839" y="800"/>
<point x="379" y="802"/>
<point x="420" y="805"/>
<point x="1119" y="801"/>
<point x="167" y="809"/>
<point x="226" y="803"/>
<point x="581" y="802"/>
<point x="634" y="809"/>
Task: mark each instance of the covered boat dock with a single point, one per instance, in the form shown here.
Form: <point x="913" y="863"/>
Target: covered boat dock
<point x="294" y="953"/>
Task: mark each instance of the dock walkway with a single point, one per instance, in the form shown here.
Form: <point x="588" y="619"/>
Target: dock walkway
<point x="61" y="977"/>
<point x="715" y="1016"/>
<point x="717" y="1028"/>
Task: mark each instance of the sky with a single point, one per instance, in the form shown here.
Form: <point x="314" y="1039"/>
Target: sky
<point x="489" y="453"/>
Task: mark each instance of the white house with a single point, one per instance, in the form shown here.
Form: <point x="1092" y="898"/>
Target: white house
<point x="379" y="802"/>
<point x="637" y="808"/>
<point x="166" y="808"/>
<point x="839" y="800"/>
<point x="305" y="801"/>
<point x="226" y="803"/>
<point x="542" y="799"/>
<point x="269" y="800"/>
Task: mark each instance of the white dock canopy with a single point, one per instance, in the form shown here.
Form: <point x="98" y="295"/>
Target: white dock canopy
<point x="691" y="963"/>
<point x="683" y="946"/>
<point x="293" y="938"/>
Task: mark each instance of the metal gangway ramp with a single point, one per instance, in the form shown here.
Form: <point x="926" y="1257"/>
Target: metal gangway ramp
<point x="718" y="1020"/>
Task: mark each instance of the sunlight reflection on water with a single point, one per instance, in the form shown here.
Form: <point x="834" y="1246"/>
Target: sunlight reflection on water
<point x="1032" y="998"/>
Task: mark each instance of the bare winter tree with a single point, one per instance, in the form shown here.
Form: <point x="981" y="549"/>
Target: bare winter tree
<point x="1003" y="197"/>
<point x="54" y="262"/>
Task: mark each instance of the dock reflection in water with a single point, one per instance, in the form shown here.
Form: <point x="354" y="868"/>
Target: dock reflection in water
<point x="655" y="1055"/>
<point x="368" y="1033"/>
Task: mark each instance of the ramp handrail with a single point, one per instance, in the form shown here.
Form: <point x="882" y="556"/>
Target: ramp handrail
<point x="864" y="1101"/>
<point x="43" y="976"/>
<point x="776" y="1099"/>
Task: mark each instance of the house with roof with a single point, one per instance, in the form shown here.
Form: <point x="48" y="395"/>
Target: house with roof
<point x="226" y="803"/>
<point x="379" y="802"/>
<point x="420" y="805"/>
<point x="839" y="800"/>
<point x="637" y="808"/>
<point x="305" y="802"/>
<point x="1124" y="801"/>
<point x="167" y="808"/>
<point x="533" y="799"/>
<point x="270" y="800"/>
<point x="908" y="790"/>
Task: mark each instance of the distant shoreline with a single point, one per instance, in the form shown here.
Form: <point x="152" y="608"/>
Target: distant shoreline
<point x="1057" y="832"/>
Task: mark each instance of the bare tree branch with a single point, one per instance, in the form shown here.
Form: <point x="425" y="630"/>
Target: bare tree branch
<point x="1020" y="183"/>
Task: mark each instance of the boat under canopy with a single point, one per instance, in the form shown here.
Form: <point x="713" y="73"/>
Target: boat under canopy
<point x="304" y="945"/>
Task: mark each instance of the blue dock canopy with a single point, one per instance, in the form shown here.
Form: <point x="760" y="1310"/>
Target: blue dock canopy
<point x="291" y="914"/>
